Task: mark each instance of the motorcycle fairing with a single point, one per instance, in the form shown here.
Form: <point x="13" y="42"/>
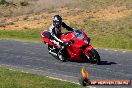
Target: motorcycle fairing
<point x="45" y="35"/>
<point x="74" y="50"/>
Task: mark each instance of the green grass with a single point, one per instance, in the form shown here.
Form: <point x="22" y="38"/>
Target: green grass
<point x="15" y="79"/>
<point x="24" y="35"/>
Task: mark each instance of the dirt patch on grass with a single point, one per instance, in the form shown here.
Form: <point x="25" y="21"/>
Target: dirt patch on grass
<point x="43" y="20"/>
<point x="32" y="21"/>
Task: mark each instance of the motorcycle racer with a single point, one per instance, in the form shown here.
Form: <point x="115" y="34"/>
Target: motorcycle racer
<point x="55" y="30"/>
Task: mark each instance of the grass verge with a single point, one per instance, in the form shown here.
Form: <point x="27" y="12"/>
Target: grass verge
<point x="21" y="35"/>
<point x="16" y="79"/>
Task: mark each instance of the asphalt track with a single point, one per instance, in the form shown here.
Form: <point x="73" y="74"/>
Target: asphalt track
<point x="34" y="58"/>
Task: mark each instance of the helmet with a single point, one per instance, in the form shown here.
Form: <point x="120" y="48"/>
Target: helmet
<point x="57" y="20"/>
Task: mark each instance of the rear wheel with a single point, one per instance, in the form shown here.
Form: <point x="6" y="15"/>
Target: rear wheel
<point x="94" y="56"/>
<point x="62" y="55"/>
<point x="53" y="52"/>
<point x="59" y="55"/>
<point x="61" y="58"/>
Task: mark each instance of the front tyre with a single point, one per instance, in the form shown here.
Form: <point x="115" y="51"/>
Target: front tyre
<point x="94" y="56"/>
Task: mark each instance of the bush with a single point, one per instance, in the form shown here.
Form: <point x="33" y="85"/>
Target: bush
<point x="24" y="3"/>
<point x="2" y="2"/>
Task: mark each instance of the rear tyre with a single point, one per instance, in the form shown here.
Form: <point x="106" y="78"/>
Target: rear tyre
<point x="94" y="57"/>
<point x="59" y="55"/>
<point x="62" y="55"/>
<point x="61" y="58"/>
<point x="50" y="48"/>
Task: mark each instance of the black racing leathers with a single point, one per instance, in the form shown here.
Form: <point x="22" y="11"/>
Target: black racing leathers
<point x="56" y="32"/>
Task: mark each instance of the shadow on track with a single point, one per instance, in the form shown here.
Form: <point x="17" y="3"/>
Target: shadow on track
<point x="101" y="62"/>
<point x="106" y="63"/>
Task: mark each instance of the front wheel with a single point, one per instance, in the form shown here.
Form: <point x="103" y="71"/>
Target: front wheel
<point x="94" y="56"/>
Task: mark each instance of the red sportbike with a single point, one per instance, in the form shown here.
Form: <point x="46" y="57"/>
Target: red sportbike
<point x="76" y="48"/>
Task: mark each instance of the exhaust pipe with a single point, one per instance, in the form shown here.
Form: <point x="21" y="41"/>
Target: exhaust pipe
<point x="50" y="52"/>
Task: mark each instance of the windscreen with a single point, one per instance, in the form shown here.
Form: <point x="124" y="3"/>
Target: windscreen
<point x="78" y="34"/>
